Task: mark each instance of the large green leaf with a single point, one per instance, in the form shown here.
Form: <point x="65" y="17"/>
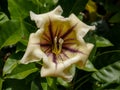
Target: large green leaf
<point x="108" y="75"/>
<point x="10" y="64"/>
<point x="22" y="71"/>
<point x="21" y="8"/>
<point x="13" y="31"/>
<point x="106" y="58"/>
<point x="10" y="33"/>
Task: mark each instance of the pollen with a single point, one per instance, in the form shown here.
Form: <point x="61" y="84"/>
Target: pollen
<point x="57" y="46"/>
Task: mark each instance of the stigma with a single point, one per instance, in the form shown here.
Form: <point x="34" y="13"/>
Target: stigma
<point x="57" y="45"/>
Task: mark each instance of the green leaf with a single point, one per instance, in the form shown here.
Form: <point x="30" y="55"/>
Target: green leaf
<point x="8" y="89"/>
<point x="20" y="47"/>
<point x="115" y="18"/>
<point x="10" y="64"/>
<point x="44" y="85"/>
<point x="22" y="71"/>
<point x="10" y="33"/>
<point x="15" y="84"/>
<point x="13" y="31"/>
<point x="106" y="58"/>
<point x="78" y="6"/>
<point x="34" y="86"/>
<point x="74" y="6"/>
<point x="1" y="82"/>
<point x="89" y="67"/>
<point x="21" y="8"/>
<point x="108" y="75"/>
<point x="3" y="18"/>
<point x="118" y="88"/>
<point x="102" y="42"/>
<point x="62" y="82"/>
<point x="52" y="83"/>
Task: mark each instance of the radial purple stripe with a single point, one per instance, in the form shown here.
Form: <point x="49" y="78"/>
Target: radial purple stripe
<point x="47" y="50"/>
<point x="70" y="39"/>
<point x="46" y="37"/>
<point x="68" y="31"/>
<point x="64" y="54"/>
<point x="54" y="58"/>
<point x="71" y="49"/>
<point x="50" y="30"/>
<point x="45" y="44"/>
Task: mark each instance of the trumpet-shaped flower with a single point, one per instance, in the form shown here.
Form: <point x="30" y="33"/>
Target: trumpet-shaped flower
<point x="58" y="43"/>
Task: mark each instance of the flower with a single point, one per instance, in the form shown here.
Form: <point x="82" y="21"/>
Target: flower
<point x="58" y="43"/>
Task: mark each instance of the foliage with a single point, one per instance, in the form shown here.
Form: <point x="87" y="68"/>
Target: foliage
<point x="102" y="71"/>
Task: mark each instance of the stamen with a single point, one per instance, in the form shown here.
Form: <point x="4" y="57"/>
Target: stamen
<point x="60" y="44"/>
<point x="57" y="47"/>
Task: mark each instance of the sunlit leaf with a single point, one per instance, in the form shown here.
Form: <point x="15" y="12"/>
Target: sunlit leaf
<point x="10" y="64"/>
<point x="62" y="82"/>
<point x="3" y="18"/>
<point x="102" y="42"/>
<point x="52" y="83"/>
<point x="109" y="74"/>
<point x="44" y="85"/>
<point x="22" y="71"/>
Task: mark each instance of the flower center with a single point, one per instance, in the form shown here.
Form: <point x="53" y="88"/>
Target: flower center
<point x="57" y="46"/>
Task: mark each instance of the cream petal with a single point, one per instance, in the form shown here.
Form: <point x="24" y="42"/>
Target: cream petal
<point x="81" y="27"/>
<point x="33" y="52"/>
<point x="58" y="10"/>
<point x="87" y="49"/>
<point x="62" y="70"/>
